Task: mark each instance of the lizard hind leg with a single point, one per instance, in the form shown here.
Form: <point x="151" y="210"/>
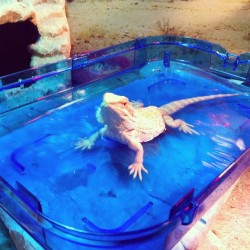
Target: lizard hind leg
<point x="180" y="124"/>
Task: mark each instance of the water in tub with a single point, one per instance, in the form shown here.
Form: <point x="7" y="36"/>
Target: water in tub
<point x="92" y="189"/>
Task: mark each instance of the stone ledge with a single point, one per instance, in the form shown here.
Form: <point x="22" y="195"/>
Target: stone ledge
<point x="15" y="12"/>
<point x="53" y="27"/>
<point x="47" y="46"/>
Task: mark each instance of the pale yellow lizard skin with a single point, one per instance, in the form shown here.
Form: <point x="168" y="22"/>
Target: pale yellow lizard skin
<point x="132" y="124"/>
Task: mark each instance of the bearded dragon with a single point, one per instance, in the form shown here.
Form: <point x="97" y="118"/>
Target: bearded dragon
<point x="132" y="124"/>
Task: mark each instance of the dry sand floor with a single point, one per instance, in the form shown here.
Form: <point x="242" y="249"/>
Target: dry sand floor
<point x="98" y="23"/>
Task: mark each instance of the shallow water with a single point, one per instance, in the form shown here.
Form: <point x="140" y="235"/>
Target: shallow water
<point x="92" y="189"/>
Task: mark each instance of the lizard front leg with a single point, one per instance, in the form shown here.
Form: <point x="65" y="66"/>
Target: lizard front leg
<point x="136" y="167"/>
<point x="180" y="124"/>
<point x="90" y="142"/>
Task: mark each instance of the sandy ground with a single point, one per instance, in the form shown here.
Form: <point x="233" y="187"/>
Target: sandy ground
<point x="230" y="229"/>
<point x="99" y="23"/>
<point x="96" y="24"/>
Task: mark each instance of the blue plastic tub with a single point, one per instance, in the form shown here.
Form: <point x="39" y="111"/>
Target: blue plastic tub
<point x="72" y="199"/>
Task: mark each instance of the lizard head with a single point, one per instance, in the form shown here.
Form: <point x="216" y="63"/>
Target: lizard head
<point x="115" y="108"/>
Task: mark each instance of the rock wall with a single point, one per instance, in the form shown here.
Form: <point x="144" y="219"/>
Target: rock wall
<point x="50" y="18"/>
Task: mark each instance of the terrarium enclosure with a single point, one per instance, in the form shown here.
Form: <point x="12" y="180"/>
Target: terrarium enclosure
<point x="153" y="70"/>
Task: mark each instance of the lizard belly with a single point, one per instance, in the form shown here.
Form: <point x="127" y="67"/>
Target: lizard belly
<point x="149" y="123"/>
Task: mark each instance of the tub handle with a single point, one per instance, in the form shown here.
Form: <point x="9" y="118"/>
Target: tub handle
<point x="185" y="208"/>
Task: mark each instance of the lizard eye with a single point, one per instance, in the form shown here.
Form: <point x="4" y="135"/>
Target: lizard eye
<point x="124" y="103"/>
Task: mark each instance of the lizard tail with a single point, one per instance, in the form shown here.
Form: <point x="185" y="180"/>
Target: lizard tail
<point x="175" y="106"/>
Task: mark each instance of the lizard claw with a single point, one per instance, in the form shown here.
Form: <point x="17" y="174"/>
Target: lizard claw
<point x="84" y="144"/>
<point x="187" y="129"/>
<point x="136" y="169"/>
